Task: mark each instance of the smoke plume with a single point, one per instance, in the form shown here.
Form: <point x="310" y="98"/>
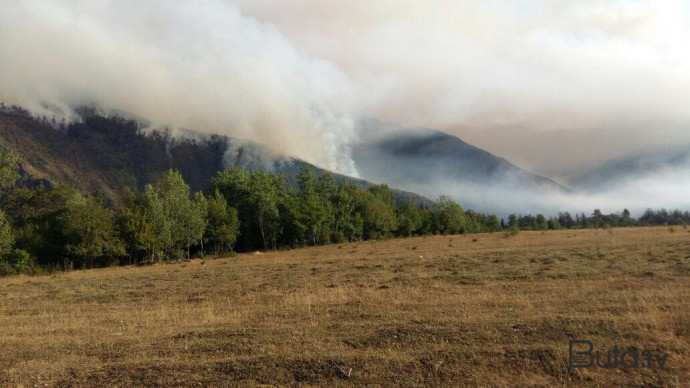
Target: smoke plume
<point x="556" y="86"/>
<point x="199" y="64"/>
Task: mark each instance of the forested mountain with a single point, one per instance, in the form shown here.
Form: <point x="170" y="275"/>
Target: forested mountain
<point x="152" y="196"/>
<point x="430" y="161"/>
<point x="634" y="167"/>
<point x="107" y="154"/>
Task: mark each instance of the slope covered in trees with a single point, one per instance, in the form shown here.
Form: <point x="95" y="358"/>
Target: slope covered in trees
<point x="433" y="163"/>
<point x="57" y="227"/>
<point x="108" y="153"/>
<point x="99" y="192"/>
<point x="50" y="228"/>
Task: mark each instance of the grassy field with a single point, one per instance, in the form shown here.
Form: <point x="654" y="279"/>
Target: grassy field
<point x="486" y="309"/>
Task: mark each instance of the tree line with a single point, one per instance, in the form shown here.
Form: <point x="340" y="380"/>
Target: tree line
<point x="59" y="228"/>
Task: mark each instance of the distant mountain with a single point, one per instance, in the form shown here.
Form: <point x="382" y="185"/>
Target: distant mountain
<point x="107" y="154"/>
<point x="432" y="162"/>
<point x="634" y="167"/>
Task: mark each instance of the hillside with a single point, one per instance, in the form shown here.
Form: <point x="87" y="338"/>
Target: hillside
<point x="636" y="166"/>
<point x="432" y="162"/>
<point x="107" y="154"/>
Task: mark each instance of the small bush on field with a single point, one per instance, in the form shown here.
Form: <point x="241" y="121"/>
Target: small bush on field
<point x="513" y="231"/>
<point x="17" y="262"/>
<point x="7" y="269"/>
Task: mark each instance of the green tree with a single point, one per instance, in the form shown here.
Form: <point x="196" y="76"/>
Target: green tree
<point x="161" y="238"/>
<point x="90" y="230"/>
<point x="9" y="169"/>
<point x="553" y="224"/>
<point x="185" y="218"/>
<point x="626" y="219"/>
<point x="347" y="224"/>
<point x="378" y="217"/>
<point x="233" y="185"/>
<point x="474" y="222"/>
<point x="135" y="224"/>
<point x="384" y="194"/>
<point x="222" y="223"/>
<point x="428" y="222"/>
<point x="315" y="204"/>
<point x="197" y="221"/>
<point x="265" y="192"/>
<point x="450" y="216"/>
<point x="292" y="230"/>
<point x="6" y="236"/>
<point x="37" y="218"/>
<point x="513" y="221"/>
<point x="493" y="224"/>
<point x="409" y="219"/>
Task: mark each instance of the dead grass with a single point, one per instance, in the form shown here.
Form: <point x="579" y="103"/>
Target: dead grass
<point x="495" y="311"/>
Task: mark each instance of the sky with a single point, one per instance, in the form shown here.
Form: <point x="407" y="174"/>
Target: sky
<point x="554" y="86"/>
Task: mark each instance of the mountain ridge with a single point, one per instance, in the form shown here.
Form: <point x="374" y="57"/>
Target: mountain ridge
<point x="107" y="154"/>
<point x="431" y="162"/>
<point x="634" y="166"/>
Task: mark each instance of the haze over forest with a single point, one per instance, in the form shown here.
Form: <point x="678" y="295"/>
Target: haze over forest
<point x="557" y="87"/>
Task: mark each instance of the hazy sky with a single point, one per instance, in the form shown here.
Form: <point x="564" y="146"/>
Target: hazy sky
<point x="554" y="86"/>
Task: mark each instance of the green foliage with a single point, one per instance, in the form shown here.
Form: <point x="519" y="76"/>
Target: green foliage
<point x="161" y="240"/>
<point x="449" y="216"/>
<point x="315" y="205"/>
<point x="265" y="191"/>
<point x="409" y="219"/>
<point x="163" y="222"/>
<point x="6" y="236"/>
<point x="378" y="217"/>
<point x="222" y="225"/>
<point x="259" y="198"/>
<point x="553" y="224"/>
<point x="493" y="224"/>
<point x="348" y="224"/>
<point x="37" y="218"/>
<point x="185" y="219"/>
<point x="512" y="221"/>
<point x="6" y="269"/>
<point x="9" y="169"/>
<point x="20" y="263"/>
<point x="136" y="227"/>
<point x="59" y="228"/>
<point x="90" y="231"/>
<point x="384" y="194"/>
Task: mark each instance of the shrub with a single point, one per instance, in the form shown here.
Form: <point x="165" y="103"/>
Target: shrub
<point x="6" y="269"/>
<point x="17" y="262"/>
<point x="21" y="261"/>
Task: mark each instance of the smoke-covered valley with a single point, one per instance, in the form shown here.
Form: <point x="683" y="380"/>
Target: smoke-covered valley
<point x="433" y="163"/>
<point x="557" y="89"/>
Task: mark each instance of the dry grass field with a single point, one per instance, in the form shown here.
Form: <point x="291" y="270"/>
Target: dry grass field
<point x="484" y="309"/>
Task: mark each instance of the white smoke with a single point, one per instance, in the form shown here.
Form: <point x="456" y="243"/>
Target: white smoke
<point x="196" y="64"/>
<point x="556" y="86"/>
<point x="666" y="188"/>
